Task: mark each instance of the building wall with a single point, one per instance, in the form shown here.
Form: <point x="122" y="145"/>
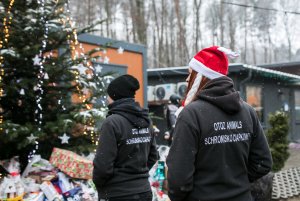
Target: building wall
<point x="134" y="57"/>
<point x="133" y="61"/>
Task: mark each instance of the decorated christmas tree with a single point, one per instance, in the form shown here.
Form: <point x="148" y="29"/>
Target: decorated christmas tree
<point x="277" y="136"/>
<point x="47" y="82"/>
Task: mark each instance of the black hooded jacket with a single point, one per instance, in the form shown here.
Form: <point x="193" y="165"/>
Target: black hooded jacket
<point x="126" y="151"/>
<point x="219" y="147"/>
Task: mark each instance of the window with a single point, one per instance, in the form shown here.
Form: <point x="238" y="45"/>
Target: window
<point x="297" y="105"/>
<point x="254" y="98"/>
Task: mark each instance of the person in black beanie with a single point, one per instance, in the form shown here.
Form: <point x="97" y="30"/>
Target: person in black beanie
<point x="127" y="149"/>
<point x="124" y="86"/>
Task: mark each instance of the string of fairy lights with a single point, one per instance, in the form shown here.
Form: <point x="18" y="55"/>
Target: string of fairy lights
<point x="74" y="44"/>
<point x="39" y="60"/>
<point x="6" y="25"/>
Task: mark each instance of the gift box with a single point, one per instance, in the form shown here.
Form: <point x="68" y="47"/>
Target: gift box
<point x="50" y="192"/>
<point x="38" y="196"/>
<point x="39" y="177"/>
<point x="72" y="164"/>
<point x="73" y="194"/>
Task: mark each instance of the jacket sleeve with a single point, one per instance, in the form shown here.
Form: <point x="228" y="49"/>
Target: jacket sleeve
<point x="181" y="160"/>
<point x="153" y="154"/>
<point x="105" y="155"/>
<point x="260" y="159"/>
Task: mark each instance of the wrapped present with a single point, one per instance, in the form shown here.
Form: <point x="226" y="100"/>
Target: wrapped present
<point x="50" y="192"/>
<point x="39" y="177"/>
<point x="73" y="194"/>
<point x="30" y="185"/>
<point x="38" y="167"/>
<point x="38" y="196"/>
<point x="72" y="164"/>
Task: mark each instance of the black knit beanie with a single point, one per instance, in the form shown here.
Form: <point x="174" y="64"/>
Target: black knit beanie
<point x="123" y="86"/>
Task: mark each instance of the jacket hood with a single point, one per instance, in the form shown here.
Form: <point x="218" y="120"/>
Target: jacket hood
<point x="220" y="92"/>
<point x="131" y="110"/>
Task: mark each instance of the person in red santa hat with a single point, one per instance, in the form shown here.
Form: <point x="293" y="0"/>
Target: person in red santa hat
<point x="219" y="146"/>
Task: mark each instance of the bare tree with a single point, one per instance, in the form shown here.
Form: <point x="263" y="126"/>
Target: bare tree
<point x="262" y="23"/>
<point x="108" y="15"/>
<point x="85" y="12"/>
<point x="221" y="22"/>
<point x="288" y="24"/>
<point x="159" y="31"/>
<point x="288" y="36"/>
<point x="171" y="32"/>
<point x="246" y="35"/>
<point x="198" y="36"/>
<point x="232" y="26"/>
<point x="212" y="23"/>
<point x="182" y="44"/>
<point x="125" y="16"/>
<point x="138" y="21"/>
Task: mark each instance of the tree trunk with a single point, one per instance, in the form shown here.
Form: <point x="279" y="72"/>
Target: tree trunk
<point x="162" y="55"/>
<point x="246" y="35"/>
<point x="198" y="38"/>
<point x="108" y="15"/>
<point x="172" y="39"/>
<point x="221" y="16"/>
<point x="253" y="50"/>
<point x="232" y="30"/>
<point x="183" y="49"/>
<point x="89" y="12"/>
<point x="288" y="36"/>
<point x="157" y="32"/>
<point x="270" y="46"/>
<point x="133" y="20"/>
<point x="155" y="63"/>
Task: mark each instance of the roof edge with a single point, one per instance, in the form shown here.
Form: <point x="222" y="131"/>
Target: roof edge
<point x="102" y="41"/>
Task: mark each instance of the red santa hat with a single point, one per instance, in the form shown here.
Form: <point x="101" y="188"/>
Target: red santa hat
<point x="210" y="62"/>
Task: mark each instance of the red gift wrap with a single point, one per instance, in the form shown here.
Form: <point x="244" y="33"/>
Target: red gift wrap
<point x="72" y="164"/>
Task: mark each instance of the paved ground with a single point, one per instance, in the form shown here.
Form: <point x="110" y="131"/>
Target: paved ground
<point x="293" y="161"/>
